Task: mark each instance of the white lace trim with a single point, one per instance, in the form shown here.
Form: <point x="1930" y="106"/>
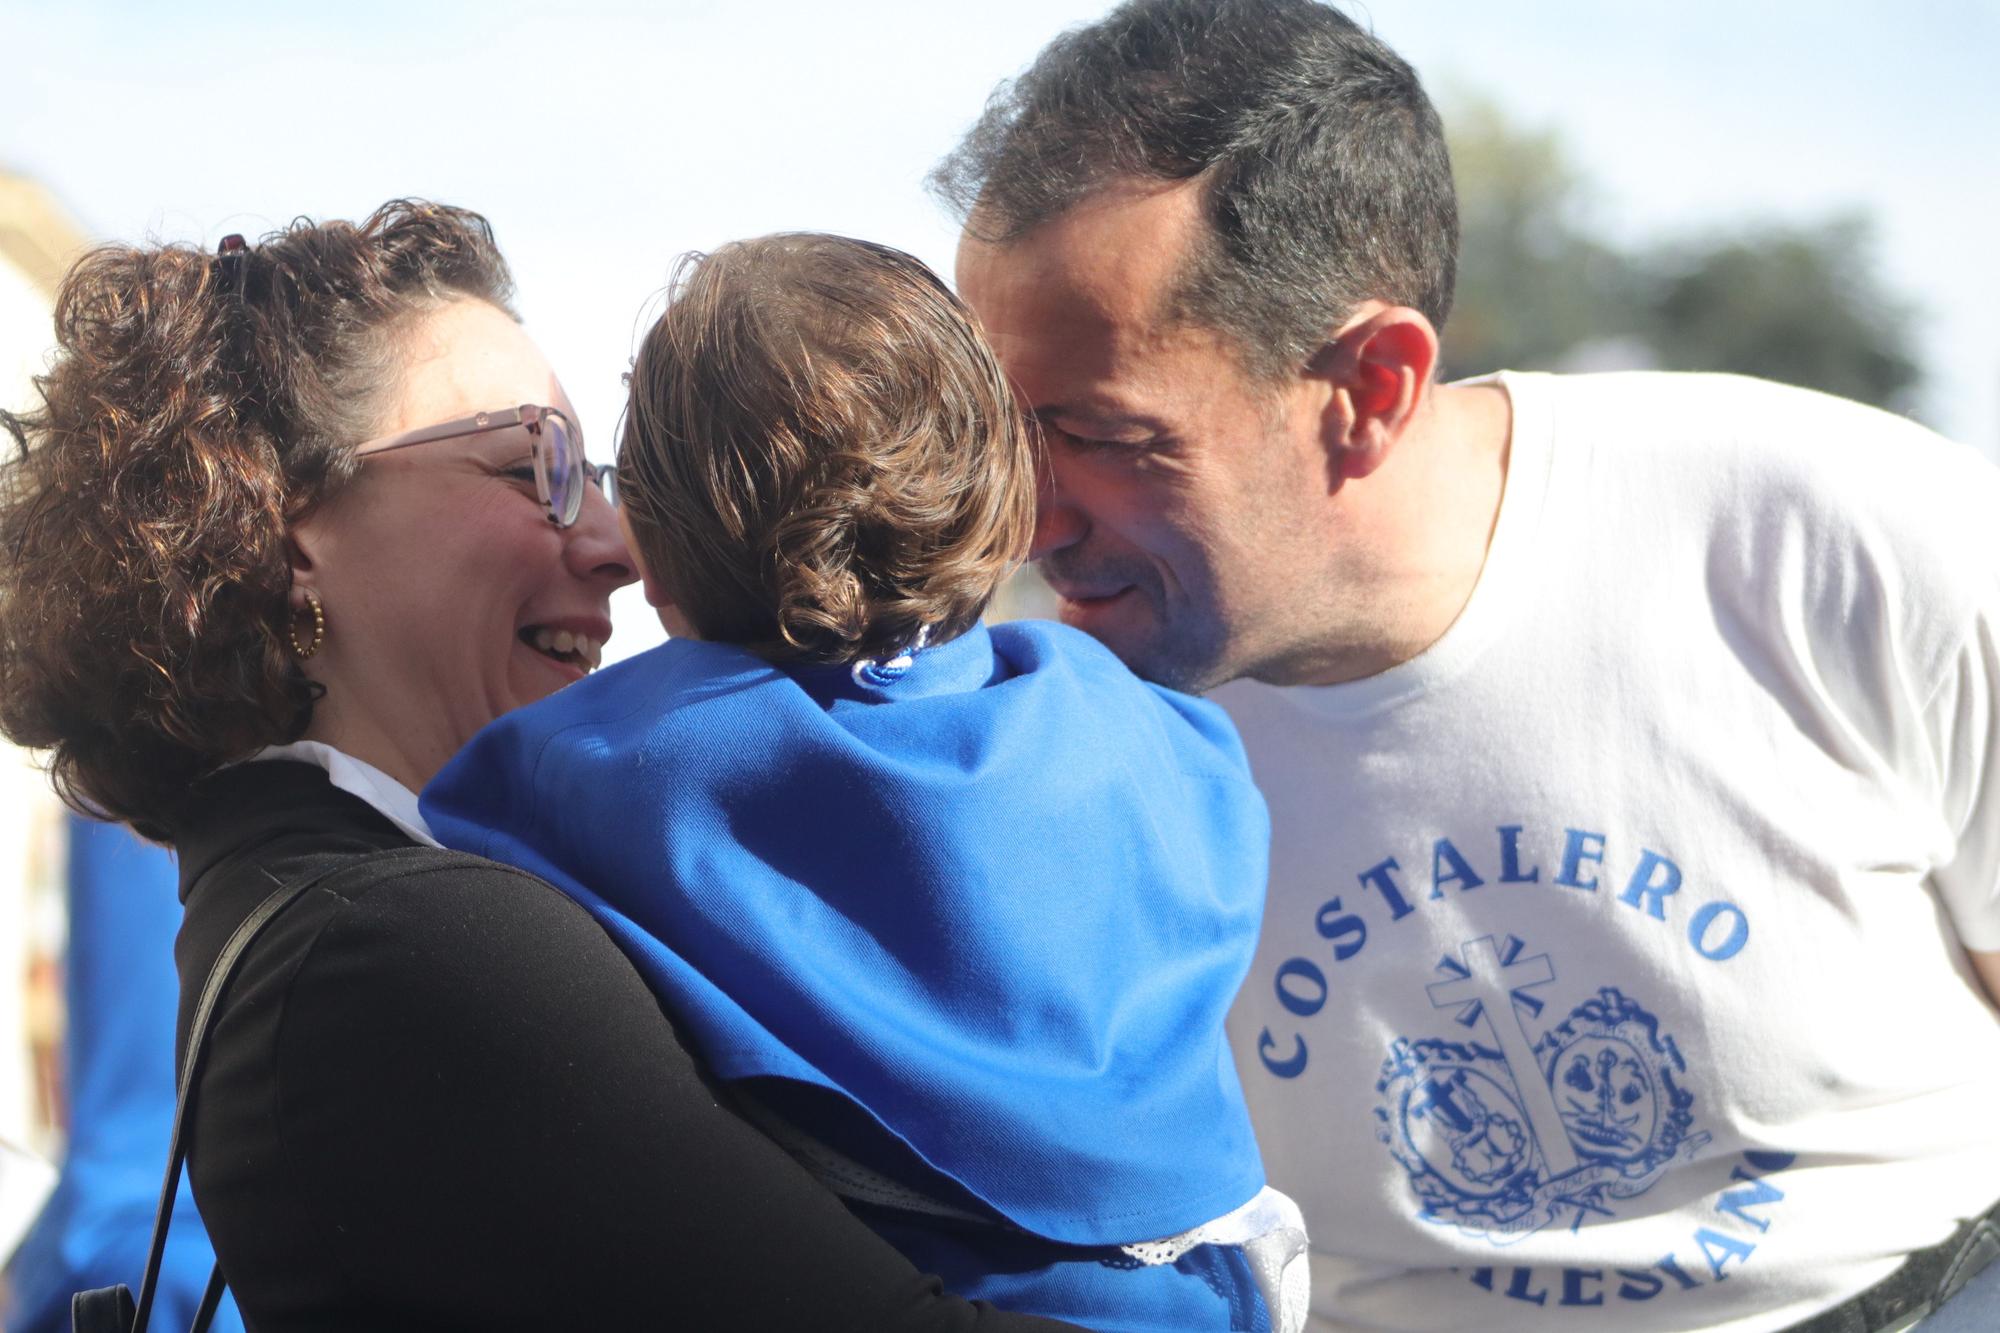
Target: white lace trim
<point x="1271" y="1232"/>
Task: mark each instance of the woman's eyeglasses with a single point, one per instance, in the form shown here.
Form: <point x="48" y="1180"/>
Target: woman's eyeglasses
<point x="562" y="473"/>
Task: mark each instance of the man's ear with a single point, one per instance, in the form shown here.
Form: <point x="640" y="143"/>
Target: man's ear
<point x="1378" y="370"/>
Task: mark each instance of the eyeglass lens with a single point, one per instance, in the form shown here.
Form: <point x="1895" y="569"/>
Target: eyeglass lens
<point x="562" y="464"/>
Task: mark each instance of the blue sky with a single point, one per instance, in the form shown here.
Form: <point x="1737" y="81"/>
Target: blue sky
<point x="605" y="139"/>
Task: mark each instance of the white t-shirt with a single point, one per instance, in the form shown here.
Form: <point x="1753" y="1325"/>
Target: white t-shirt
<point x="1706" y="777"/>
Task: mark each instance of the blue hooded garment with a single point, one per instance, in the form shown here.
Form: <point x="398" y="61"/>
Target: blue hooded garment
<point x="997" y="900"/>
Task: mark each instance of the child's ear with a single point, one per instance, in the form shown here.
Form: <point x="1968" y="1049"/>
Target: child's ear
<point x="656" y="596"/>
<point x="664" y="606"/>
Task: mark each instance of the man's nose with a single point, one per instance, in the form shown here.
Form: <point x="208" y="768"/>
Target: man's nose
<point x="1058" y="520"/>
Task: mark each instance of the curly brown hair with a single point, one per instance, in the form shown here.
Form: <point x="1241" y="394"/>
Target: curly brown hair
<point x="195" y="409"/>
<point x="821" y="457"/>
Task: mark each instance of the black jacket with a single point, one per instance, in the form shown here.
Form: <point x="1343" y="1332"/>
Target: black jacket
<point x="438" y="1096"/>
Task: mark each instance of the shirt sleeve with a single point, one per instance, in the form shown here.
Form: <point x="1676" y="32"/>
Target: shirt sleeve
<point x="1964" y="726"/>
<point x="1918" y="634"/>
<point x="499" y="1128"/>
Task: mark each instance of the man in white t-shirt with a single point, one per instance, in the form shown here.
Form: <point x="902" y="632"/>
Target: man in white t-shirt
<point x="1631" y="741"/>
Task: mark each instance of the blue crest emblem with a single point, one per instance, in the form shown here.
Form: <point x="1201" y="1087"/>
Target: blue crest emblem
<point x="1500" y="1140"/>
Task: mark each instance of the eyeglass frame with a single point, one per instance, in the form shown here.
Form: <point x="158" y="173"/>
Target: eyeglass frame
<point x="603" y="476"/>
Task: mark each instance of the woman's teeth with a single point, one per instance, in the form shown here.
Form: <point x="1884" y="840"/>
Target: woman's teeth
<point x="561" y="643"/>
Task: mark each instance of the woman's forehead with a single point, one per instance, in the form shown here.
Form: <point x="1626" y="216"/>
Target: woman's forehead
<point x="468" y="357"/>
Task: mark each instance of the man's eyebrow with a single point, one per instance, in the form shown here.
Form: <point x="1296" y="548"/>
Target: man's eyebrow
<point x="1103" y="417"/>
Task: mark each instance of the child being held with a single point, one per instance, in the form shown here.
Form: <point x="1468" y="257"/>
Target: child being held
<point x="955" y="913"/>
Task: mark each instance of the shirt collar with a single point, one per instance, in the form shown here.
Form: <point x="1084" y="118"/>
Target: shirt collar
<point x="388" y="797"/>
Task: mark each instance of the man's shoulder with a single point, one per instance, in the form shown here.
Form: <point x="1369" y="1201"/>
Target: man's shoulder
<point x="1760" y="466"/>
<point x="1690" y="390"/>
<point x="1738" y="422"/>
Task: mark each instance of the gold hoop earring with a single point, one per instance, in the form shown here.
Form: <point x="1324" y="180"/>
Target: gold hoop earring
<point x="305" y="650"/>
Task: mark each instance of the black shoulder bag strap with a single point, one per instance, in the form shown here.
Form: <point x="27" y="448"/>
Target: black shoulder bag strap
<point x="110" y="1309"/>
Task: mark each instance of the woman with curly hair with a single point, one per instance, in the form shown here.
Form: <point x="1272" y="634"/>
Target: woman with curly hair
<point x="290" y="525"/>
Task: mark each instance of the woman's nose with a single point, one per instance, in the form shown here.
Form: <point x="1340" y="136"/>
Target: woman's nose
<point x="596" y="548"/>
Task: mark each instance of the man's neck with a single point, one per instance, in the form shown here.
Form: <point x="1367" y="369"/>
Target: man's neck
<point x="1412" y="539"/>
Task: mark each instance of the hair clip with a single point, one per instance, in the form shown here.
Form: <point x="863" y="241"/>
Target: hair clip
<point x="229" y="255"/>
<point x="882" y="674"/>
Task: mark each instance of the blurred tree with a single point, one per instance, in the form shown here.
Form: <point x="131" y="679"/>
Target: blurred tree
<point x="1800" y="304"/>
<point x="1541" y="288"/>
<point x="1535" y="282"/>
